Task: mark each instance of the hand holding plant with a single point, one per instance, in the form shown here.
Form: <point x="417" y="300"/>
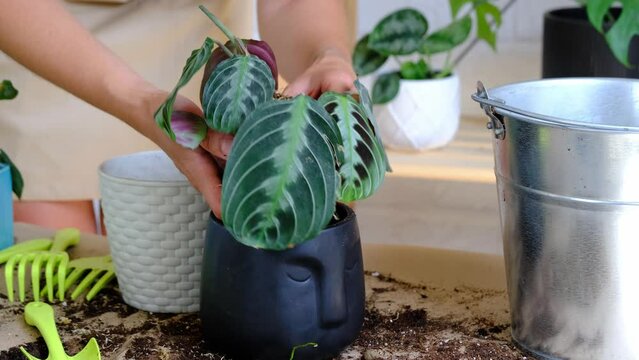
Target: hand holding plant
<point x="292" y="158"/>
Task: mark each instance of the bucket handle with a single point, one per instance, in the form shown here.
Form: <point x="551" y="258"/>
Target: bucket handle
<point x="496" y="122"/>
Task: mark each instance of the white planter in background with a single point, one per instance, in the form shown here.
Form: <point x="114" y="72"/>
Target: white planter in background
<point x="424" y="115"/>
<point x="155" y="224"/>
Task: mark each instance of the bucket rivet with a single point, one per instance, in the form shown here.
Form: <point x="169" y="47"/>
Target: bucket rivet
<point x="489" y="125"/>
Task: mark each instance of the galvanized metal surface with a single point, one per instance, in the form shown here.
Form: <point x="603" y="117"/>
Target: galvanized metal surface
<point x="567" y="173"/>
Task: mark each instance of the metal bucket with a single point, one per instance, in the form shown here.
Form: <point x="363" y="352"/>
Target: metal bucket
<point x="567" y="168"/>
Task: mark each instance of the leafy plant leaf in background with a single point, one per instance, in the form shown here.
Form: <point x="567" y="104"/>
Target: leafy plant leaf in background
<point x="198" y="58"/>
<point x="386" y="88"/>
<point x="17" y="182"/>
<point x="484" y="31"/>
<point x="399" y="33"/>
<point x="280" y="180"/>
<point x="364" y="165"/>
<point x="597" y="11"/>
<point x="234" y="89"/>
<point x="418" y="70"/>
<point x="365" y="59"/>
<point x="7" y="91"/>
<point x="447" y="38"/>
<point x="456" y="5"/>
<point x="624" y="29"/>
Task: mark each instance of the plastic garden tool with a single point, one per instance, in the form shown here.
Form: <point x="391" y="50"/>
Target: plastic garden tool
<point x="26" y="246"/>
<point x="95" y="266"/>
<point x="56" y="257"/>
<point x="40" y="315"/>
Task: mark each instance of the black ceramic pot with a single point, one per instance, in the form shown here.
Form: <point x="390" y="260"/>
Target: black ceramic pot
<point x="573" y="48"/>
<point x="260" y="304"/>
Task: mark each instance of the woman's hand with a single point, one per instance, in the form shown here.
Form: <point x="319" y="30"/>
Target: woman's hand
<point x="202" y="166"/>
<point x="331" y="71"/>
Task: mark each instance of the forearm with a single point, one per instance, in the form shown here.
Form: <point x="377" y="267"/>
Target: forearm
<point x="300" y="31"/>
<point x="45" y="38"/>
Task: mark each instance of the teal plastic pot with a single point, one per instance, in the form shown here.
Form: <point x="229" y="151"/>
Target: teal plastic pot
<point x="6" y="207"/>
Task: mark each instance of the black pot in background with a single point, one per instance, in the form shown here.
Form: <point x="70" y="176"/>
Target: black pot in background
<point x="259" y="304"/>
<point x="572" y="47"/>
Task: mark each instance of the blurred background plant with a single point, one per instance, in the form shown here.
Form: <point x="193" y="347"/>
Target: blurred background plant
<point x="403" y="36"/>
<point x="618" y="31"/>
<point x="8" y="92"/>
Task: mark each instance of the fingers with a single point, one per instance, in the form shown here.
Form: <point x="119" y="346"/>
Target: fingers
<point x="321" y="78"/>
<point x="217" y="143"/>
<point x="204" y="175"/>
<point x="301" y="85"/>
<point x="202" y="171"/>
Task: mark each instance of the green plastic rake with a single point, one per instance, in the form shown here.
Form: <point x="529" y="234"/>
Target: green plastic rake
<point x="91" y="268"/>
<point x="54" y="259"/>
<point x="50" y="256"/>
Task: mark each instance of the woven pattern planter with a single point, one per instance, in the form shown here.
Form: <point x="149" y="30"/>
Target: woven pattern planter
<point x="155" y="224"/>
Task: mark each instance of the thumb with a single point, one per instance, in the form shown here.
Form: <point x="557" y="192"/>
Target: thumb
<point x="301" y="85"/>
<point x="218" y="144"/>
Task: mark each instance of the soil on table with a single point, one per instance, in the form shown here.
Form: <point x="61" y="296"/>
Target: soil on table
<point x="403" y="321"/>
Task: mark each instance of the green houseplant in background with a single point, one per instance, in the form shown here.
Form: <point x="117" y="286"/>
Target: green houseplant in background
<point x="622" y="28"/>
<point x="10" y="180"/>
<point x="292" y="163"/>
<point x="420" y="100"/>
<point x="597" y="38"/>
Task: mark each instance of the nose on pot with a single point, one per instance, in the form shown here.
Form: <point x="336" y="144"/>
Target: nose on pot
<point x="334" y="310"/>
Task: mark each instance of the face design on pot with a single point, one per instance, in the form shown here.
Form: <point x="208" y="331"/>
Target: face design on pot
<point x="315" y="283"/>
<point x="262" y="302"/>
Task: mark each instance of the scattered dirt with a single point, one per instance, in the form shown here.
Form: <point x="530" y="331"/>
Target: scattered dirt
<point x="279" y="96"/>
<point x="405" y="322"/>
<point x="402" y="321"/>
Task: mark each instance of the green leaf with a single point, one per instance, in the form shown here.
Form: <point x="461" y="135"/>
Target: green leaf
<point x="189" y="129"/>
<point x="456" y="5"/>
<point x="7" y="91"/>
<point x="597" y="11"/>
<point x="414" y="70"/>
<point x="399" y="33"/>
<point x="235" y="88"/>
<point x="447" y="38"/>
<point x="17" y="182"/>
<point x="364" y="166"/>
<point x="366" y="60"/>
<point x="484" y="30"/>
<point x="386" y="88"/>
<point x="280" y="184"/>
<point x="624" y="29"/>
<point x="198" y="58"/>
<point x="367" y="106"/>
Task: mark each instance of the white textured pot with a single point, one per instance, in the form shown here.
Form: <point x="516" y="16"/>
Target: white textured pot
<point x="155" y="224"/>
<point x="424" y="115"/>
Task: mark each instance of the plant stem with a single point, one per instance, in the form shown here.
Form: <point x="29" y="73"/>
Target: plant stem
<point x="472" y="44"/>
<point x="301" y="346"/>
<point x="399" y="62"/>
<point x="224" y="48"/>
<point x="224" y="29"/>
<point x="447" y="66"/>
